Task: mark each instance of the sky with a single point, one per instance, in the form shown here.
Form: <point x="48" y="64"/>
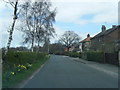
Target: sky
<point x="81" y="16"/>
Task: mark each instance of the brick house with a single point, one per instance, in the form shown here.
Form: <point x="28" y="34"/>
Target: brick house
<point x="75" y="48"/>
<point x="86" y="43"/>
<point x="107" y="40"/>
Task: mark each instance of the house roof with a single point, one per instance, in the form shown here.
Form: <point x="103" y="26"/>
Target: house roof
<point x="86" y="39"/>
<point x="106" y="32"/>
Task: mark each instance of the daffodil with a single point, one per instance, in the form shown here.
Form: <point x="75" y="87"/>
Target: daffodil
<point x="18" y="70"/>
<point x="29" y="65"/>
<point x="19" y="65"/>
<point x="24" y="67"/>
<point x="12" y="73"/>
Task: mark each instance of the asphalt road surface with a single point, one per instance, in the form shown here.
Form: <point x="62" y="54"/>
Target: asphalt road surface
<point x="63" y="72"/>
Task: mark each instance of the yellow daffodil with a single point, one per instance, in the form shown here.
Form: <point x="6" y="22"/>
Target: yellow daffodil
<point x="12" y="73"/>
<point x="24" y="67"/>
<point x="19" y="65"/>
<point x="18" y="69"/>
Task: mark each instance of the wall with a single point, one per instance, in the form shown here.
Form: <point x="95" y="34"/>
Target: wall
<point x="105" y="43"/>
<point x="86" y="46"/>
<point x="111" y="37"/>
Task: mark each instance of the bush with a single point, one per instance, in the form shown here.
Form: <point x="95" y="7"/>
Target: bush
<point x="14" y="57"/>
<point x="84" y="55"/>
<point x="95" y="56"/>
<point x="74" y="54"/>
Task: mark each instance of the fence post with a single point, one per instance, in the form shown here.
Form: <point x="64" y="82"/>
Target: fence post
<point x="104" y="57"/>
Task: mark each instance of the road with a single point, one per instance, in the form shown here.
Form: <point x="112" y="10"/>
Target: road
<point x="63" y="72"/>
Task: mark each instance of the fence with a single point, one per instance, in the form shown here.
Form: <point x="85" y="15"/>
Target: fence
<point x="112" y="58"/>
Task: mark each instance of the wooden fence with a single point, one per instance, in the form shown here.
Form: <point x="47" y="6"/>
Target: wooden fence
<point x="112" y="58"/>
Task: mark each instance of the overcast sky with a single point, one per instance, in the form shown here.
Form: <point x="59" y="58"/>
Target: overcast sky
<point x="83" y="17"/>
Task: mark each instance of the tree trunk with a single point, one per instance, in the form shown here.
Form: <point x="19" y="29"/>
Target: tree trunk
<point x="32" y="45"/>
<point x="12" y="27"/>
<point x="38" y="47"/>
<point x="10" y="35"/>
<point x="68" y="49"/>
<point x="48" y="49"/>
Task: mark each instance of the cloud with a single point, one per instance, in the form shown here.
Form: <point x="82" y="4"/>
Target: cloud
<point x="109" y="17"/>
<point x="84" y="0"/>
<point x="60" y="31"/>
<point x="73" y="12"/>
<point x="5" y="23"/>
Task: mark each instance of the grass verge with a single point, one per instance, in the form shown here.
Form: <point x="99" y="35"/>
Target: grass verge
<point x="14" y="80"/>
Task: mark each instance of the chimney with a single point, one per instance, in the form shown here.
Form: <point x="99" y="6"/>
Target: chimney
<point x="103" y="28"/>
<point x="88" y="35"/>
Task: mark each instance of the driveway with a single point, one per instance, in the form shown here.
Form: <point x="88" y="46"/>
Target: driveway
<point x="64" y="72"/>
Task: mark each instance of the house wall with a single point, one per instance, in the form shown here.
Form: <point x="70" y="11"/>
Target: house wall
<point x="111" y="37"/>
<point x="96" y="44"/>
<point x="86" y="45"/>
<point x="105" y="43"/>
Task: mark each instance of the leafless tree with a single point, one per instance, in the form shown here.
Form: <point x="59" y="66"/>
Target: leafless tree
<point x="14" y="4"/>
<point x="69" y="38"/>
<point x="28" y="26"/>
<point x="50" y="31"/>
<point x="39" y="21"/>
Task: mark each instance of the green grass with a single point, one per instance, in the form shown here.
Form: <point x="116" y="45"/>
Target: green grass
<point x="13" y="80"/>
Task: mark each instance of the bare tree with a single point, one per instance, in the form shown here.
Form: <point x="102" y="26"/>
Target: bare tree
<point x="14" y="4"/>
<point x="50" y="32"/>
<point x="29" y="21"/>
<point x="69" y="38"/>
<point x="45" y="19"/>
<point x="38" y="19"/>
<point x="28" y="16"/>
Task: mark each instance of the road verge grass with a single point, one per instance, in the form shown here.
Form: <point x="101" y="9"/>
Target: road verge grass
<point x="11" y="78"/>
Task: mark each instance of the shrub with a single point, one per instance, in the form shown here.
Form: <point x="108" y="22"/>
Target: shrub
<point x="84" y="55"/>
<point x="95" y="56"/>
<point x="74" y="54"/>
<point x="14" y="57"/>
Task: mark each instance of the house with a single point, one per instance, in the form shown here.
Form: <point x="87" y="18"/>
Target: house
<point x="75" y="48"/>
<point x="107" y="40"/>
<point x="86" y="43"/>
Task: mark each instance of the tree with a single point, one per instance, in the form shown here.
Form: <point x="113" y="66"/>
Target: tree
<point x="15" y="16"/>
<point x="49" y="28"/>
<point x="27" y="18"/>
<point x="57" y="48"/>
<point x="69" y="38"/>
<point x="38" y="19"/>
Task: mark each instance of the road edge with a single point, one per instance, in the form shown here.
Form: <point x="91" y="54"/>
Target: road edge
<point x="92" y="65"/>
<point x="24" y="82"/>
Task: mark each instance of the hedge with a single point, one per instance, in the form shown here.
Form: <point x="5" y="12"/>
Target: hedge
<point x="14" y="57"/>
<point x="95" y="56"/>
<point x="74" y="54"/>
